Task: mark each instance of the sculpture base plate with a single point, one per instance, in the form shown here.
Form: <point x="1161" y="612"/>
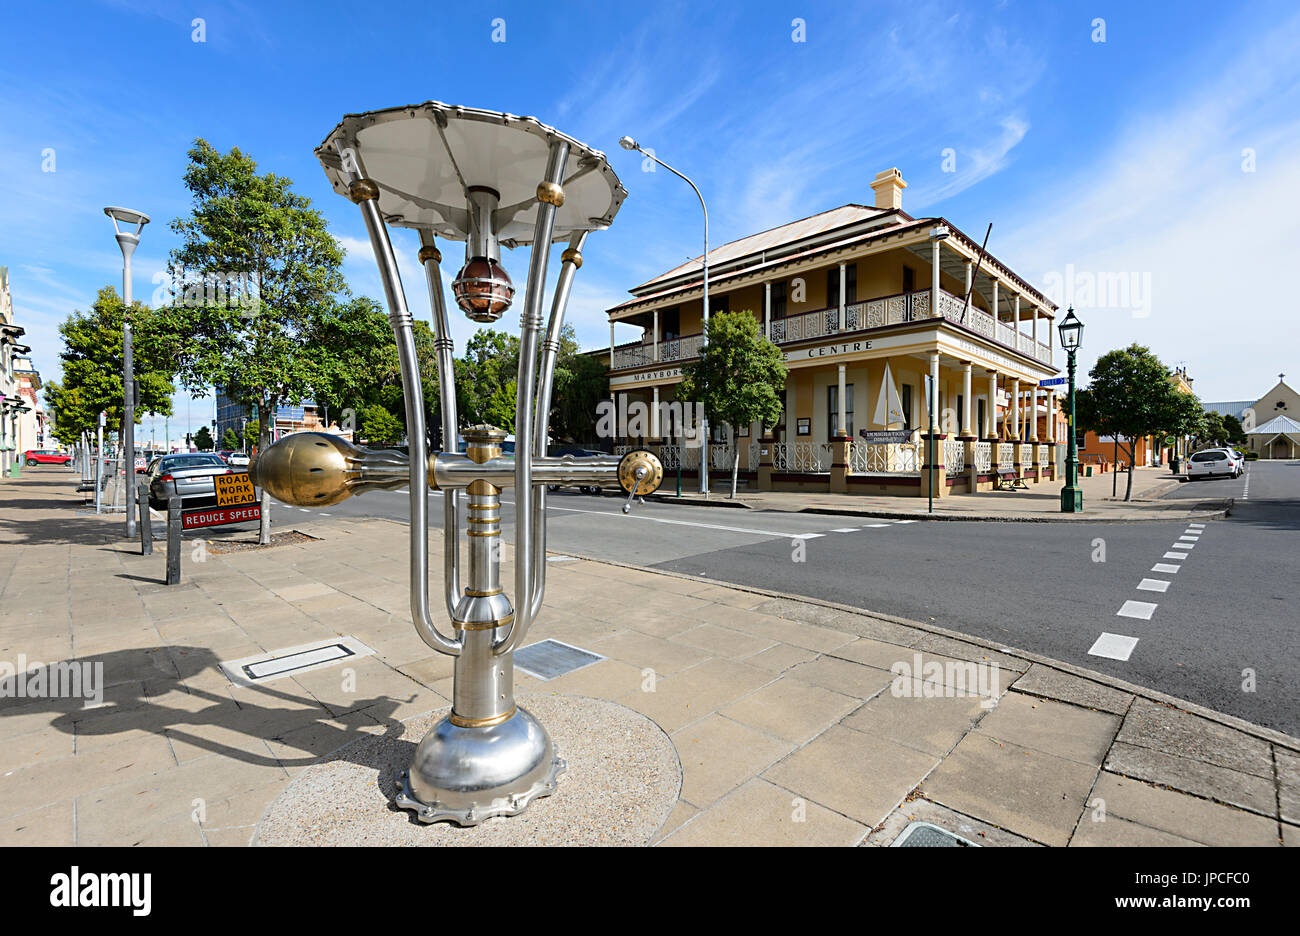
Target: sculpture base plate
<point x="623" y="778"/>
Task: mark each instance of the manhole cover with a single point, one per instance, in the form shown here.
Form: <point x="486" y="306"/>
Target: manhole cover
<point x="928" y="835"/>
<point x="550" y="658"/>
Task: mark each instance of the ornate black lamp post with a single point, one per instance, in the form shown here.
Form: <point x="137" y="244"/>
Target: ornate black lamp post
<point x="1071" y="331"/>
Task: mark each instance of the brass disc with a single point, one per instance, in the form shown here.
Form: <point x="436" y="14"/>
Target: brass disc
<point x="627" y="468"/>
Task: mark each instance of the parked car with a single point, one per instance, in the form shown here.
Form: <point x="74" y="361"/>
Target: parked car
<point x="1209" y="463"/>
<point x="578" y="452"/>
<point x="235" y="459"/>
<point x="187" y="475"/>
<point x="35" y="457"/>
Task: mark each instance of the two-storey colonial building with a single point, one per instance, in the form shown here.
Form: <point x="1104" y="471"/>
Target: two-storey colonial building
<point x="865" y="303"/>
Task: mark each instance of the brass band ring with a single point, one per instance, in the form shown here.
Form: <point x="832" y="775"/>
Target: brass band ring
<point x="462" y="722"/>
<point x="363" y="190"/>
<point x="483" y="625"/>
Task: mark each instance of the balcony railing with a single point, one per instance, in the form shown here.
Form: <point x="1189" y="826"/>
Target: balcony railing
<point x="858" y="316"/>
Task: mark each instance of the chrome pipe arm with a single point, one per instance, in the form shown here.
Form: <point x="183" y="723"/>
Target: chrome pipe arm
<point x="453" y="472"/>
<point x="443" y="348"/>
<point x="366" y="194"/>
<point x="571" y="261"/>
<point x="549" y="197"/>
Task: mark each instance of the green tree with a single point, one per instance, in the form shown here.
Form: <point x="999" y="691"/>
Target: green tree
<point x="486" y="378"/>
<point x="739" y="377"/>
<point x="581" y="382"/>
<point x="1235" y="434"/>
<point x="1131" y="395"/>
<point x="253" y="436"/>
<point x="203" y="439"/>
<point x="276" y="337"/>
<point x="92" y="367"/>
<point x="1212" y="430"/>
<point x="380" y="427"/>
<point x="230" y="441"/>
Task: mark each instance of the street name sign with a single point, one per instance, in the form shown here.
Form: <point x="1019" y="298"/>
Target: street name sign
<point x="1054" y="382"/>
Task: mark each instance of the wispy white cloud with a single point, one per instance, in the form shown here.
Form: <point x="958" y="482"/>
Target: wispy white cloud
<point x="1169" y="199"/>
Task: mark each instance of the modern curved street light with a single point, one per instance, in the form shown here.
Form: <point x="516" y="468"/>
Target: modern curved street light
<point x="630" y="144"/>
<point x="127" y="240"/>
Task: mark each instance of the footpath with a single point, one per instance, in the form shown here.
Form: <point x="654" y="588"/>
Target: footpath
<point x="1039" y="503"/>
<point x="795" y="721"/>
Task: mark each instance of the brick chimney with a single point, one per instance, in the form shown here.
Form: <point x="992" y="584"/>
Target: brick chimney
<point x="889" y="187"/>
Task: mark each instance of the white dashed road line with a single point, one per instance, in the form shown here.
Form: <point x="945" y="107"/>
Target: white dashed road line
<point x="1142" y="610"/>
<point x="1113" y="646"/>
<point x="1120" y="647"/>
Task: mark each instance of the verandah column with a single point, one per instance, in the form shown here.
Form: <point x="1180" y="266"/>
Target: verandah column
<point x="656" y="336"/>
<point x="839" y="479"/>
<point x="1014" y="434"/>
<point x="1051" y="432"/>
<point x="966" y="432"/>
<point x="843" y="288"/>
<point x="767" y="311"/>
<point x="991" y="411"/>
<point x="933" y="439"/>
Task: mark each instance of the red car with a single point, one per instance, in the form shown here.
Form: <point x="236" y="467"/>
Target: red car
<point x="45" y="457"/>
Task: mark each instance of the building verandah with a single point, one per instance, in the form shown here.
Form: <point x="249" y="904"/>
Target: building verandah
<point x="864" y="303"/>
<point x="985" y="419"/>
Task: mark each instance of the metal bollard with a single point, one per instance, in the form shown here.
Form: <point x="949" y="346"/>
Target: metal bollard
<point x="174" y="541"/>
<point x="146" y="525"/>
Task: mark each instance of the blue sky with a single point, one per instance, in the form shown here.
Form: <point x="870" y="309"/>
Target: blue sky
<point x="1122" y="156"/>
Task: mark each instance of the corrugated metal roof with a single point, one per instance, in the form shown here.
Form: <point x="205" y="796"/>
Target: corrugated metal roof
<point x="1277" y="425"/>
<point x="1233" y="408"/>
<point x="777" y="236"/>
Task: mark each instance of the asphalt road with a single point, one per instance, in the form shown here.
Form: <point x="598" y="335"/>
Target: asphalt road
<point x="1228" y="611"/>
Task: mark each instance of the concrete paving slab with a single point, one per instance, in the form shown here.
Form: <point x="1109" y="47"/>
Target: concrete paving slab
<point x="1043" y="681"/>
<point x="859" y="775"/>
<point x="1028" y="792"/>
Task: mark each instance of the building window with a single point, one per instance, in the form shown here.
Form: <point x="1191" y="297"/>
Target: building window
<point x="909" y="279"/>
<point x="980" y="423"/>
<point x="850" y="285"/>
<point x="833" y="409"/>
<point x="670" y="323"/>
<point x="719" y="304"/>
<point x="778" y="300"/>
<point x="961" y="408"/>
<point x="907" y="406"/>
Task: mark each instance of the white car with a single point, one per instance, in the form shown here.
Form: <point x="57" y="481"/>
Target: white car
<point x="1210" y="463"/>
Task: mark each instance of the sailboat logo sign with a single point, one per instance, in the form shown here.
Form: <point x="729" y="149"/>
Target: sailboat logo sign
<point x="889" y="408"/>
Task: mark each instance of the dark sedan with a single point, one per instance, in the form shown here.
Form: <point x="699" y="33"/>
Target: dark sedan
<point x="188" y="476"/>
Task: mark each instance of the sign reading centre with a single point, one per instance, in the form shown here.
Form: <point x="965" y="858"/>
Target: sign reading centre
<point x="234" y="489"/>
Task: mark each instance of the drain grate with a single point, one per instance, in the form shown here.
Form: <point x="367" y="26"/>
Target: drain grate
<point x="550" y="658"/>
<point x="929" y="835"/>
<point x="293" y="660"/>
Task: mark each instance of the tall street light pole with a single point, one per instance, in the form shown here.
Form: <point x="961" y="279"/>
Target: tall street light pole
<point x="630" y="144"/>
<point x="1071" y="340"/>
<point x="127" y="240"/>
